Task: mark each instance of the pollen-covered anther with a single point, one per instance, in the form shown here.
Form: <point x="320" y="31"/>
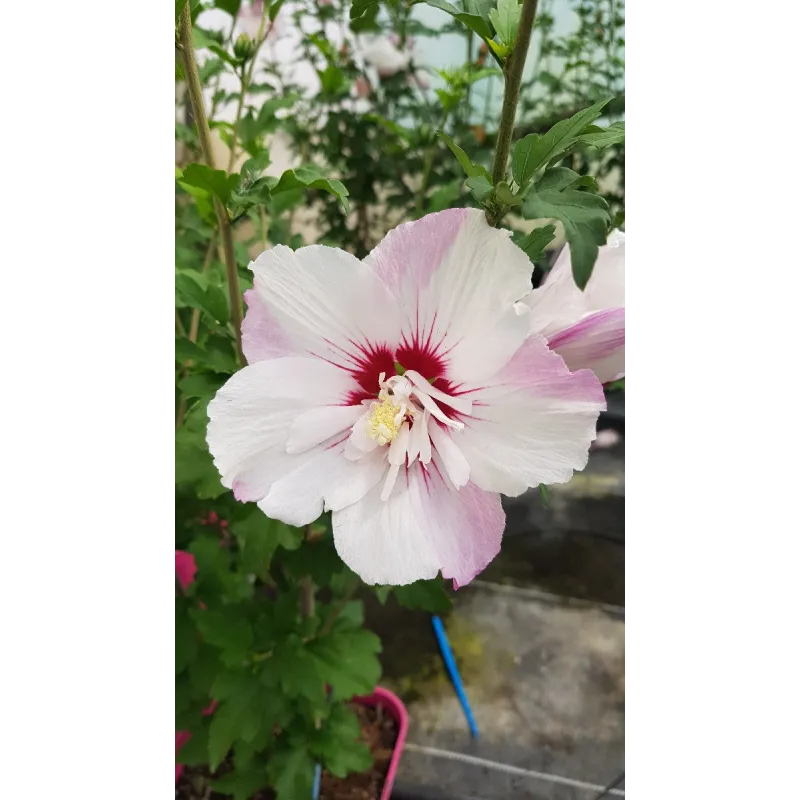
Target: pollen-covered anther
<point x="384" y="421"/>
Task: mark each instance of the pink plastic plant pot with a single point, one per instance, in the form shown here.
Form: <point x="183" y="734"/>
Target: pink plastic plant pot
<point x="380" y="697"/>
<point x="397" y="710"/>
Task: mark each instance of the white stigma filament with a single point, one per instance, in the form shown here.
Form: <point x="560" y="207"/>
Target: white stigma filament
<point x="401" y="419"/>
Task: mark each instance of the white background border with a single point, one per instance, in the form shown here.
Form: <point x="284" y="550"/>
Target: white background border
<point x="86" y="571"/>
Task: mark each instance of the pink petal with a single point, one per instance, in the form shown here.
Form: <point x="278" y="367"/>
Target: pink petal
<point x="262" y="336"/>
<point x="185" y="568"/>
<point x="456" y="280"/>
<point x="424" y="527"/>
<point x="597" y="343"/>
<point x="532" y="422"/>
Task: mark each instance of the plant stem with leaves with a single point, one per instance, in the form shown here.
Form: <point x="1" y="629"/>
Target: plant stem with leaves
<point x="246" y="78"/>
<point x="204" y="135"/>
<point x="512" y="74"/>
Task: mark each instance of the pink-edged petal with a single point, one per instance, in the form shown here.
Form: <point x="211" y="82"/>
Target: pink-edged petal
<point x="262" y="336"/>
<point x="422" y="528"/>
<point x="319" y="424"/>
<point x="532" y="422"/>
<point x="320" y="301"/>
<point x="586" y="328"/>
<point x="457" y="280"/>
<point x="597" y="343"/>
<point x="251" y="415"/>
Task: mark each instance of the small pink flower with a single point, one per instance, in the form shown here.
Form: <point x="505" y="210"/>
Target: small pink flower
<point x="411" y="465"/>
<point x="586" y="328"/>
<point x="185" y="568"/>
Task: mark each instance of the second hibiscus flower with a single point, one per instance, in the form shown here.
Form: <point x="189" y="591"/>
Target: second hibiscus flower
<point x="402" y="393"/>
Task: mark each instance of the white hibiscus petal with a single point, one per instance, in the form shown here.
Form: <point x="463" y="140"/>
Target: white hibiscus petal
<point x="533" y="422"/>
<point x="456" y="278"/>
<point x="320" y="301"/>
<point x="422" y="528"/>
<point x="452" y="458"/>
<point x="251" y="415"/>
<point x="319" y="424"/>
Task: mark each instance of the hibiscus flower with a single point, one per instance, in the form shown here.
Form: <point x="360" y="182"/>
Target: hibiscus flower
<point x="403" y="393"/>
<point x="586" y="328"/>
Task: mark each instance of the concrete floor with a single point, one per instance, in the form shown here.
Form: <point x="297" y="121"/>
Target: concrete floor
<point x="540" y="644"/>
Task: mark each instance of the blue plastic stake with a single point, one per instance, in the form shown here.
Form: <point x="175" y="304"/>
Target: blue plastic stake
<point x="450" y="663"/>
<point x="317" y="781"/>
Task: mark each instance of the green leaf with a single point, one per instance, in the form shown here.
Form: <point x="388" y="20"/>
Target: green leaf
<point x="214" y="181"/>
<point x="533" y="152"/>
<point x="231" y="634"/>
<point x="210" y="69"/>
<point x="347" y="659"/>
<point x="368" y="20"/>
<point x="238" y="716"/>
<point x="241" y="784"/>
<point x="224" y="55"/>
<point x="193" y="463"/>
<point x="193" y="290"/>
<point x="253" y="167"/>
<point x="298" y="671"/>
<point x="472" y="21"/>
<point x="217" y="355"/>
<point x="195" y="751"/>
<point x="339" y="743"/>
<point x="505" y="19"/>
<point x="584" y="215"/>
<point x="523" y="165"/>
<point x="504" y="195"/>
<point x="360" y="7"/>
<point x="472" y="170"/>
<point x="201" y="385"/>
<point x="291" y="772"/>
<point x="603" y="137"/>
<point x="332" y="80"/>
<point x="318" y="559"/>
<point x="535" y="243"/>
<point x="543" y="494"/>
<point x="186" y="643"/>
<point x="426" y="595"/>
<point x="231" y="6"/>
<point x="259" y="537"/>
<point x="311" y="178"/>
<point x="274" y="9"/>
<point x="480" y="186"/>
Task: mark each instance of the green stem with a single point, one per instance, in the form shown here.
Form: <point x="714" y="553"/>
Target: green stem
<point x="512" y="72"/>
<point x="306" y="588"/>
<point x="338" y="607"/>
<point x="204" y="135"/>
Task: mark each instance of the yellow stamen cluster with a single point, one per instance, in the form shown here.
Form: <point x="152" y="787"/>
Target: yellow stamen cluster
<point x="381" y="424"/>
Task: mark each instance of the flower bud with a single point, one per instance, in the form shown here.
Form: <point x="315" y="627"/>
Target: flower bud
<point x="244" y="47"/>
